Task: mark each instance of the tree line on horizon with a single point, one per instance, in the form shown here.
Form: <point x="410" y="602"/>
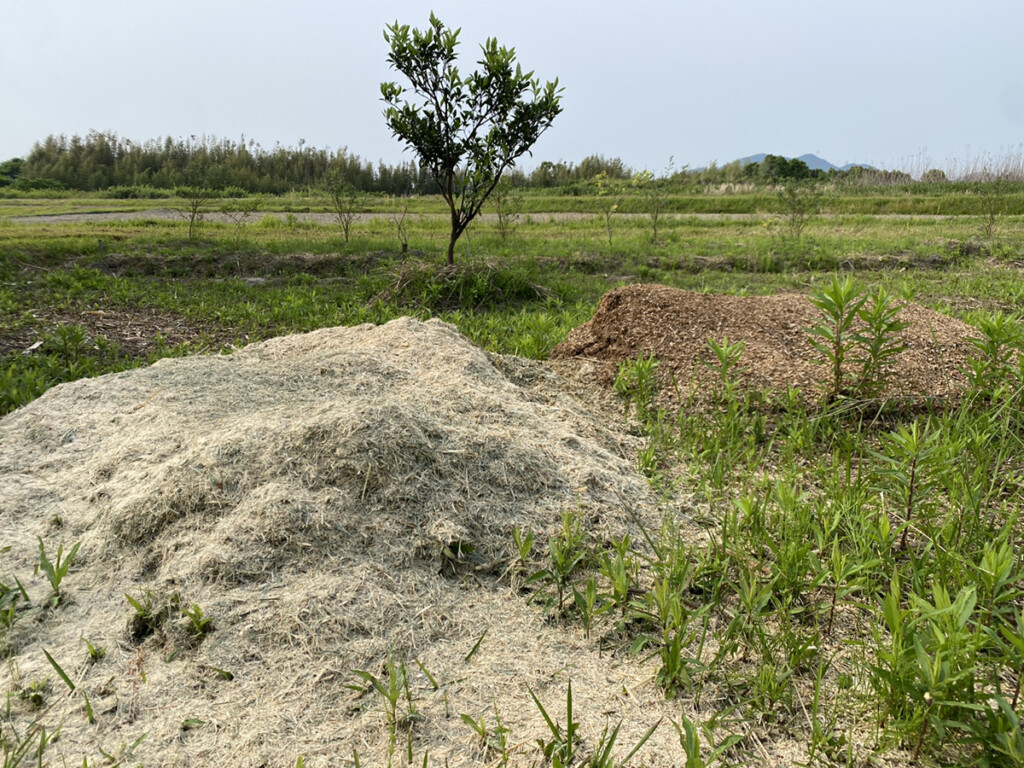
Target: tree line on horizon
<point x="105" y="162"/>
<point x="101" y="161"/>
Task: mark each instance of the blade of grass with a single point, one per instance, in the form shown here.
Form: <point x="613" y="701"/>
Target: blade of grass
<point x="56" y="666"/>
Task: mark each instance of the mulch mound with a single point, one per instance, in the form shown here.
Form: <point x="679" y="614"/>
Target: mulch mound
<point x="330" y="500"/>
<point x="675" y="326"/>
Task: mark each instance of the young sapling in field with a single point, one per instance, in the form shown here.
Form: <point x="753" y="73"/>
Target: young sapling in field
<point x="238" y="211"/>
<point x="609" y="196"/>
<point x="399" y="220"/>
<point x="467" y="130"/>
<point x="346" y="200"/>
<point x="799" y="203"/>
<point x="197" y="198"/>
<point x="835" y="335"/>
<point x="508" y="204"/>
<point x="879" y="342"/>
<point x="654" y="194"/>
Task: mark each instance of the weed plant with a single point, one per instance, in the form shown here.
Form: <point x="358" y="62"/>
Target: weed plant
<point x="56" y="570"/>
<point x="858" y="331"/>
<point x="395" y="696"/>
<point x="493" y="738"/>
<point x="873" y="556"/>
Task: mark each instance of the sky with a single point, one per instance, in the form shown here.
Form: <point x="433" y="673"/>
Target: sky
<point x="906" y="84"/>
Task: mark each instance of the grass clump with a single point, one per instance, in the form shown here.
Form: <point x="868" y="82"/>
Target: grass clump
<point x="472" y="286"/>
<point x="56" y="570"/>
<point x="395" y="696"/>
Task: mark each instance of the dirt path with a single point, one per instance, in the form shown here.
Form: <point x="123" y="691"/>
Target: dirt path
<point x="171" y="214"/>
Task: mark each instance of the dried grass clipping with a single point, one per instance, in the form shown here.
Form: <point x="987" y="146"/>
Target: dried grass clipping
<point x="304" y="492"/>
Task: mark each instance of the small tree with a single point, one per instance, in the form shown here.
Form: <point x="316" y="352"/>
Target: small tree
<point x="609" y="195"/>
<point x="398" y="218"/>
<point x="993" y="195"/>
<point x="508" y="203"/>
<point x="196" y="200"/>
<point x="799" y="204"/>
<point x="240" y="210"/>
<point x="466" y="130"/>
<point x="654" y="193"/>
<point x="201" y="184"/>
<point x="346" y="201"/>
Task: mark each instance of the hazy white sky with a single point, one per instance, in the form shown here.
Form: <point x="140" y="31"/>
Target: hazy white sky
<point x="887" y="82"/>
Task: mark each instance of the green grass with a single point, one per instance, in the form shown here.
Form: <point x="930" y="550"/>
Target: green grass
<point x="519" y="294"/>
<point x="902" y="526"/>
<point x="858" y="587"/>
<point x="948" y="199"/>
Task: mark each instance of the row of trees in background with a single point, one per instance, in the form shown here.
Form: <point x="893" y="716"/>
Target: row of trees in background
<point x="102" y="161"/>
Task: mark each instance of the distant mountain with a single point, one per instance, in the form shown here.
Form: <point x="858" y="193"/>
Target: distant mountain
<point x="813" y="162"/>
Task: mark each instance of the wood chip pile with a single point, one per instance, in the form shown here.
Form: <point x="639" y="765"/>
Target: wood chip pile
<point x="675" y="325"/>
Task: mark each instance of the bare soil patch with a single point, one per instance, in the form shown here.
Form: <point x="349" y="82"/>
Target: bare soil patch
<point x="248" y="265"/>
<point x="135" y="332"/>
<point x="675" y="325"/>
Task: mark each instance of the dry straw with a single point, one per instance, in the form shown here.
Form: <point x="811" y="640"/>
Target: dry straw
<point x="307" y="493"/>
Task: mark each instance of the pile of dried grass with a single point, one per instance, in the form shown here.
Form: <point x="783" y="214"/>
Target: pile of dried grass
<point x="303" y="492"/>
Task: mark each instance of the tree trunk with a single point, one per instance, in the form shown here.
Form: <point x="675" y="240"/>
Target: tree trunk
<point x="451" y="248"/>
<point x="454" y="233"/>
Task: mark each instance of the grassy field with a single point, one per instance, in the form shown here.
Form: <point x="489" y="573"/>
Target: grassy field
<point x="947" y="199"/>
<point x="862" y="583"/>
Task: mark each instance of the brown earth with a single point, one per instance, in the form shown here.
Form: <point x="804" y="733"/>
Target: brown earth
<point x="675" y="326"/>
<point x="135" y="332"/>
